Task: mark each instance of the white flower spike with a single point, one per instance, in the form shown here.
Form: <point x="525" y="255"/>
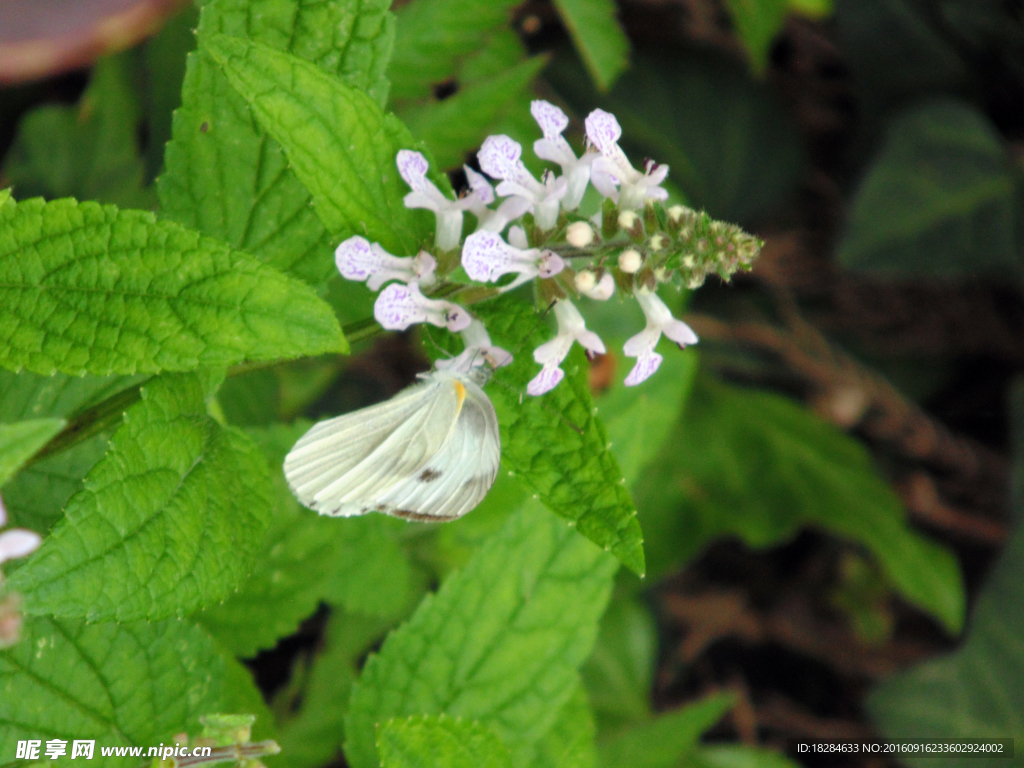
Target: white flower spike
<point x="612" y="174"/>
<point x="359" y="260"/>
<point x="641" y="346"/>
<point x="425" y="194"/>
<point x="486" y="257"/>
<point x="571" y="327"/>
<point x="399" y="306"/>
<point x="500" y="158"/>
<point x="17" y="542"/>
<point x="554" y="147"/>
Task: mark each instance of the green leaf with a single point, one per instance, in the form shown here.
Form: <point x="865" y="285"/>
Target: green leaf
<point x="20" y="441"/>
<point x="435" y="37"/>
<point x="120" y="684"/>
<point x="453" y="127"/>
<point x="812" y="9"/>
<point x="440" y="742"/>
<point x="640" y="419"/>
<point x="35" y="498"/>
<point x="500" y="642"/>
<point x="339" y="143"/>
<point x="570" y="742"/>
<point x="314" y="736"/>
<point x="596" y="33"/>
<point x="755" y="465"/>
<point x="169" y="520"/>
<point x="620" y="672"/>
<point x="664" y="741"/>
<point x="225" y="177"/>
<point x="555" y="444"/>
<point x="91" y="289"/>
<point x="975" y="692"/>
<point x="938" y="199"/>
<point x="757" y="23"/>
<point x="26" y="395"/>
<point x="88" y="151"/>
<point x="306" y="559"/>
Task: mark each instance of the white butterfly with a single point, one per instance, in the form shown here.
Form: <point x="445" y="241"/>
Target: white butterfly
<point x="430" y="453"/>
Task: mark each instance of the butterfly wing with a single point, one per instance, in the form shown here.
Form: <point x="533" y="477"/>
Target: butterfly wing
<point x="348" y="465"/>
<point x="458" y="477"/>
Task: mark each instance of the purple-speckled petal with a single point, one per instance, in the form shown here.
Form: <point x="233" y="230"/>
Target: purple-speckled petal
<point x="551" y="119"/>
<point x="604" y="131"/>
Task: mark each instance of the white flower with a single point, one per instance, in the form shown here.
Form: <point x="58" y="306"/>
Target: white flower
<point x="486" y="257"/>
<point x="358" y="259"/>
<point x="612" y="174"/>
<point x="641" y="346"/>
<point x="399" y="306"/>
<point x="571" y="327"/>
<point x="413" y="168"/>
<point x="588" y="284"/>
<point x="554" y="147"/>
<point x="500" y="157"/>
<point x="16" y="542"/>
<point x="478" y="351"/>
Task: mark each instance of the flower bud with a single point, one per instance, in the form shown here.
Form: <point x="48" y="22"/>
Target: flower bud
<point x="676" y="213"/>
<point x="658" y="242"/>
<point x="628" y="219"/>
<point x="585" y="281"/>
<point x="579" y="234"/>
<point x="630" y="260"/>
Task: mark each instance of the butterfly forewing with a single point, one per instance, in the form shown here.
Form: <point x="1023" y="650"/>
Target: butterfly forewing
<point x="344" y="466"/>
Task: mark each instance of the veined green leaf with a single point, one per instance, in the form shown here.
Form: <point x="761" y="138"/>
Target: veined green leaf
<point x="91" y="289"/>
<point x="570" y="742"/>
<point x="305" y="559"/>
<point x="225" y="177"/>
<point x="596" y="33"/>
<point x="664" y="741"/>
<point x="168" y="521"/>
<point x="938" y="200"/>
<point x="440" y="742"/>
<point x="434" y="37"/>
<point x="454" y="126"/>
<point x="500" y="642"/>
<point x="120" y="684"/>
<point x="555" y="444"/>
<point x="756" y="465"/>
<point x="20" y="441"/>
<point x="35" y="498"/>
<point x="340" y="145"/>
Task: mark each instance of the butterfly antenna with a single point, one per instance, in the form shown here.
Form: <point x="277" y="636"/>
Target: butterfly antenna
<point x="438" y="347"/>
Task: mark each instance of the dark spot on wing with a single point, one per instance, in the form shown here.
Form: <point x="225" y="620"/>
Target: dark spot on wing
<point x="381" y="508"/>
<point x="430" y="475"/>
<point x="419" y="517"/>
